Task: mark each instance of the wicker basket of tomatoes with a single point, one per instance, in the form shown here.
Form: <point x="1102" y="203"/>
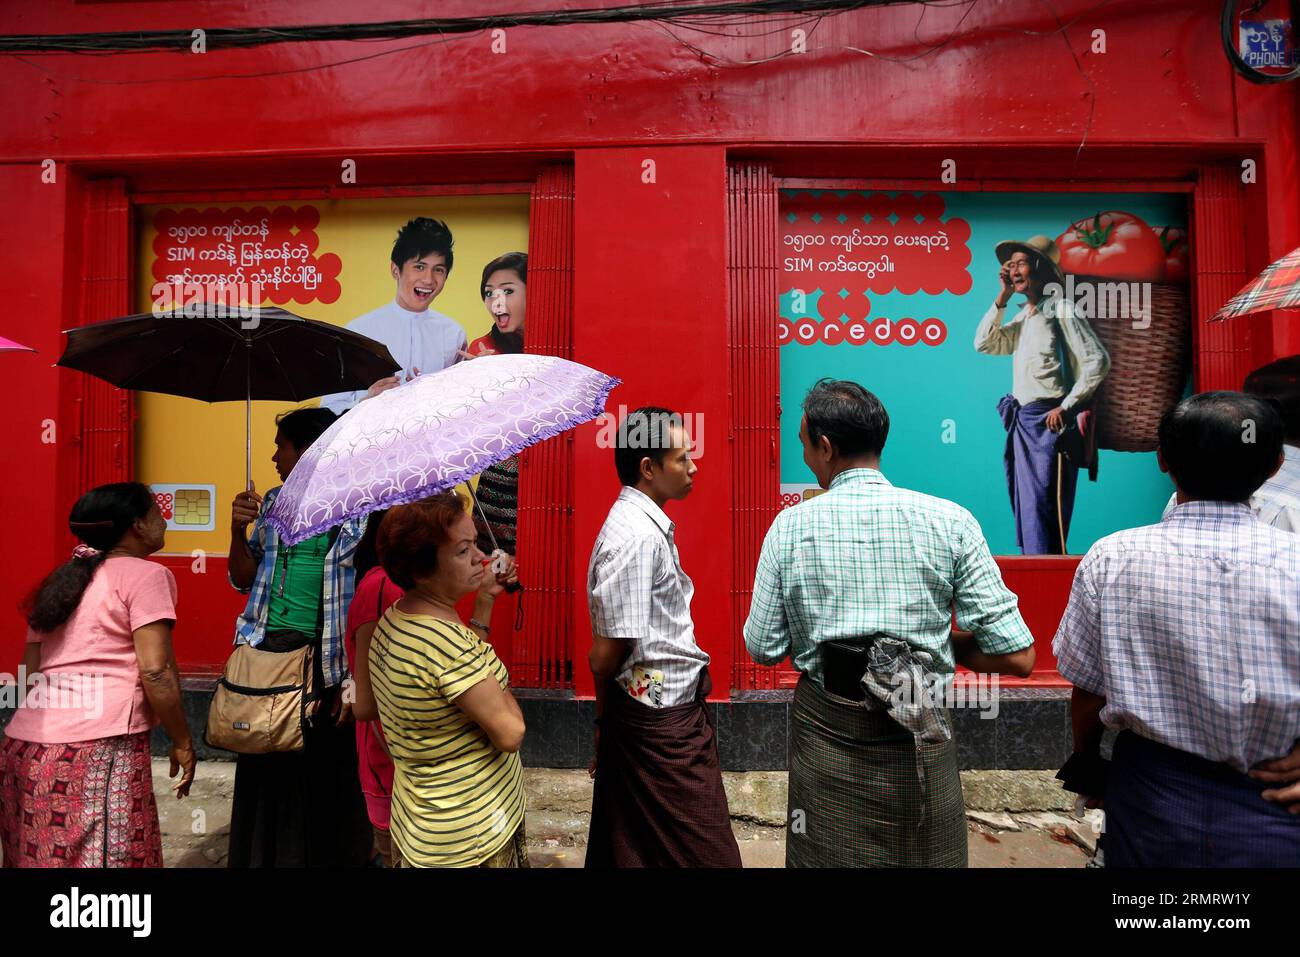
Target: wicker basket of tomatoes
<point x="1116" y="259"/>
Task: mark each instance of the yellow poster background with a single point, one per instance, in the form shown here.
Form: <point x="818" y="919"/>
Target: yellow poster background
<point x="187" y="442"/>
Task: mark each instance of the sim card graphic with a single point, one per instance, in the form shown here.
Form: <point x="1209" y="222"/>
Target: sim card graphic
<point x="187" y="508"/>
<point x="793" y="493"/>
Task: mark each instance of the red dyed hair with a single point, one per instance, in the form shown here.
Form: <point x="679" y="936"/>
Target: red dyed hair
<point x="410" y="535"/>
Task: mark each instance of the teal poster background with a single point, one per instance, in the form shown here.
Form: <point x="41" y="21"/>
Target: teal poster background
<point x="950" y="391"/>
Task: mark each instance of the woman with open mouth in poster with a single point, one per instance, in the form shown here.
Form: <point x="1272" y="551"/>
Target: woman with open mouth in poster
<point x="504" y="288"/>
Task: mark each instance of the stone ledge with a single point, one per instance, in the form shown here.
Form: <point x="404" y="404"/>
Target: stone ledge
<point x="1031" y="731"/>
<point x="1015" y="791"/>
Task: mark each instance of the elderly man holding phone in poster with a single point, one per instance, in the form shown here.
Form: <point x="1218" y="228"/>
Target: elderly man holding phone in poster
<point x="1057" y="364"/>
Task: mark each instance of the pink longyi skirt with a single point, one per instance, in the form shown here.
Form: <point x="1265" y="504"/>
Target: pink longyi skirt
<point x="87" y="804"/>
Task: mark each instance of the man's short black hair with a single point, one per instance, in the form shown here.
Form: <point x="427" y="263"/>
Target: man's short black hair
<point x="1221" y="446"/>
<point x="1280" y="382"/>
<point x="302" y="427"/>
<point x="852" y="418"/>
<point x="420" y="237"/>
<point x="643" y="433"/>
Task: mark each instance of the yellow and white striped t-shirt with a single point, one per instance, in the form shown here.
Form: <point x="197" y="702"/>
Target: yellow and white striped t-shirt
<point x="456" y="798"/>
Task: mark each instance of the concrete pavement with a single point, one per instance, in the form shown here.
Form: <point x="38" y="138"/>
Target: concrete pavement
<point x="1014" y="818"/>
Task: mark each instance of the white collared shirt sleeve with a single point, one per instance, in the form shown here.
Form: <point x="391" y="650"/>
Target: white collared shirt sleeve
<point x="1078" y="642"/>
<point x="1277" y="502"/>
<point x="1087" y="356"/>
<point x="374" y="325"/>
<point x="1287" y="519"/>
<point x="462" y="345"/>
<point x="766" y="631"/>
<point x="994" y="339"/>
<point x="340" y="402"/>
<point x="619" y="588"/>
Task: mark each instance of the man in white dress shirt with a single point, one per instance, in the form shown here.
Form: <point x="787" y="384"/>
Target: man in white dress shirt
<point x="658" y="799"/>
<point x="1047" y="389"/>
<point x="420" y="339"/>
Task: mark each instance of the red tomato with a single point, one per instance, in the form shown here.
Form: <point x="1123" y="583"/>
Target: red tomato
<point x="1174" y="241"/>
<point x="1112" y="245"/>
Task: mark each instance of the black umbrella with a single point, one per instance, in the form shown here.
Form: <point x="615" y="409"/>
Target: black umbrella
<point x="217" y="356"/>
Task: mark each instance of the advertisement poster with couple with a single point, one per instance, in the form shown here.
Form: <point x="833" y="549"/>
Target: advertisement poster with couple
<point x="437" y="280"/>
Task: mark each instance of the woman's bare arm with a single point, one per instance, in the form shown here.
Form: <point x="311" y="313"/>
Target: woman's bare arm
<point x="364" y="707"/>
<point x="495" y="710"/>
<point x="162" y="687"/>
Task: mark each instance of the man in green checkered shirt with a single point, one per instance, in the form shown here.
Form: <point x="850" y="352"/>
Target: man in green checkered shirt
<point x="867" y="559"/>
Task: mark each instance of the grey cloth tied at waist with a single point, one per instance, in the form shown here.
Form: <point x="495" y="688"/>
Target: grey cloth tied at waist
<point x="900" y="681"/>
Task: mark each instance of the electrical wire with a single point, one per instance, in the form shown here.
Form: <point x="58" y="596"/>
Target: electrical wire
<point x="180" y="41"/>
<point x="705" y="55"/>
<point x="916" y="35"/>
<point x="237" y="76"/>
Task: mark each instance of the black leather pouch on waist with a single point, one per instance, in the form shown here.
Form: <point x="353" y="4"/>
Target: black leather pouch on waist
<point x="285" y="639"/>
<point x="843" y="665"/>
<point x="1085" y="773"/>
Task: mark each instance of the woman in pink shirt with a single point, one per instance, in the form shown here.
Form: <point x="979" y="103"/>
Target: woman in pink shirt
<point x="76" y="783"/>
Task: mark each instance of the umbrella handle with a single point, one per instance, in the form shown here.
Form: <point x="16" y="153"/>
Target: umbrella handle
<point x="248" y="415"/>
<point x="247" y="444"/>
<point x="510" y="587"/>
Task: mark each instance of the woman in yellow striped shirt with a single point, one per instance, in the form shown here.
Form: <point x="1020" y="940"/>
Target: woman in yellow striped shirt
<point x="452" y="725"/>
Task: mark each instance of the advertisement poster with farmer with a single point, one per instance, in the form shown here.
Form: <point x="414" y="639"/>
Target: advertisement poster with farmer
<point x="1026" y="345"/>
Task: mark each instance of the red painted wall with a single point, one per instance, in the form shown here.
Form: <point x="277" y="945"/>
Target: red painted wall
<point x="32" y="238"/>
<point x="651" y="293"/>
<point x="650" y="280"/>
<point x="1163" y="79"/>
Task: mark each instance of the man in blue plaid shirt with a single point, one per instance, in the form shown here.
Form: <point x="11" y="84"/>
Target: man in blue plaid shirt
<point x="1185" y="637"/>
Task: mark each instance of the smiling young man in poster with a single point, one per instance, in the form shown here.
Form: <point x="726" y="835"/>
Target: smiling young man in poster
<point x="420" y="339"/>
<point x="1042" y="404"/>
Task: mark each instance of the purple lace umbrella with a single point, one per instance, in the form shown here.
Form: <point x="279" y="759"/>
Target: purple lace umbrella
<point x="433" y="434"/>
